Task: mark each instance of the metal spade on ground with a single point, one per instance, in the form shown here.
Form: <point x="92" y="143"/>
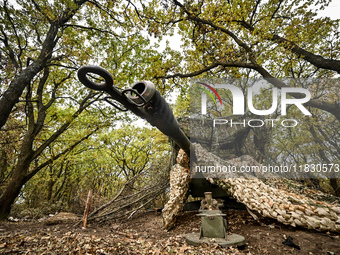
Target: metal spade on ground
<point x="213" y="226"/>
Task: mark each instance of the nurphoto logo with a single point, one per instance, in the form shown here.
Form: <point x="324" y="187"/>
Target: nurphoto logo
<point x="280" y="100"/>
<point x="273" y="122"/>
<point x="239" y="99"/>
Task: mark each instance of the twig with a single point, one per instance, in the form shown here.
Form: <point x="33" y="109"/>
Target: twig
<point x="140" y="207"/>
<point x="87" y="208"/>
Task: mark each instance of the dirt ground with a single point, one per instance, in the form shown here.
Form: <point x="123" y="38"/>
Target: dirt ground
<point x="143" y="234"/>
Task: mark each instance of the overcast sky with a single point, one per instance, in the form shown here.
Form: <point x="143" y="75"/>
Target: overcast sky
<point x="332" y="10"/>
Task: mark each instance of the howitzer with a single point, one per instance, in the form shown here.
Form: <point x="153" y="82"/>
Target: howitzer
<point x="146" y="102"/>
<point x="143" y="99"/>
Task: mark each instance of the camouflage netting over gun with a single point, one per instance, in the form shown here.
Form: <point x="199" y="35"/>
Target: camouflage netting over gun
<point x="287" y="208"/>
<point x="179" y="187"/>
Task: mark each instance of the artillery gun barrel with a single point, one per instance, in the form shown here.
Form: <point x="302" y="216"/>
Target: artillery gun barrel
<point x="143" y="99"/>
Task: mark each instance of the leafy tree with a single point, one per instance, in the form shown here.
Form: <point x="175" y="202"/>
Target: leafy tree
<point x="19" y="30"/>
<point x="42" y="44"/>
<point x="103" y="163"/>
<point x="268" y="38"/>
<point x="133" y="149"/>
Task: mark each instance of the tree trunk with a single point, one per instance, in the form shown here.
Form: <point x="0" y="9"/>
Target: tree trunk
<point x="3" y="164"/>
<point x="21" y="173"/>
<point x="16" y="87"/>
<point x="12" y="191"/>
<point x="19" y="177"/>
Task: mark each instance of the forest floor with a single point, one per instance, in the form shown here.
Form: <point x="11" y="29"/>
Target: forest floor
<point x="143" y="234"/>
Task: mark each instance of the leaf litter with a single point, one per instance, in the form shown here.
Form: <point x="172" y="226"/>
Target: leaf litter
<point x="143" y="234"/>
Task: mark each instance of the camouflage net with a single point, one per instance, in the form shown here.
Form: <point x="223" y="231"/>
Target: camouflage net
<point x="287" y="208"/>
<point x="179" y="187"/>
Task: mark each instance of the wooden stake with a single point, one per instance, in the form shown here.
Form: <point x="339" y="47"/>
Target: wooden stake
<point x="87" y="207"/>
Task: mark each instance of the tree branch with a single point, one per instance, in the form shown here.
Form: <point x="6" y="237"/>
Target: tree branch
<point x="314" y="59"/>
<point x="208" y="68"/>
<point x="254" y="11"/>
<point x="11" y="53"/>
<point x="49" y="161"/>
<point x="57" y="133"/>
<point x="92" y="28"/>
